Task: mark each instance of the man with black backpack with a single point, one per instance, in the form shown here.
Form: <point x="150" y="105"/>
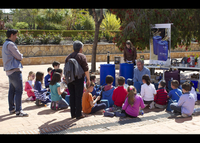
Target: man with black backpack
<point x="75" y="63"/>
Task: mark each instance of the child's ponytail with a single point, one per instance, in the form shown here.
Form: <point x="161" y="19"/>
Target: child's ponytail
<point x="131" y="95"/>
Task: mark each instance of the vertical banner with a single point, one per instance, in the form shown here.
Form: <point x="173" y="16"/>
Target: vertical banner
<point x="160" y="43"/>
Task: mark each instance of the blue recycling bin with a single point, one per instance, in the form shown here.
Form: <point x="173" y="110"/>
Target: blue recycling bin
<point x="162" y="50"/>
<point x="156" y="39"/>
<point x="106" y="69"/>
<point x="195" y="84"/>
<point x="126" y="70"/>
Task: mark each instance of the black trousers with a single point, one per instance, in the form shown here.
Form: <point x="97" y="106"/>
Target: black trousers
<point x="76" y="91"/>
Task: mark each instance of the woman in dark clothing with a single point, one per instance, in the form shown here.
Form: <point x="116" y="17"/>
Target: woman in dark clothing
<point x="130" y="53"/>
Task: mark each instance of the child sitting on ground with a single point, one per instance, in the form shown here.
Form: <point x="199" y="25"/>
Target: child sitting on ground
<point x="56" y="93"/>
<point x="133" y="102"/>
<point x="186" y="103"/>
<point x="96" y="87"/>
<point x="160" y="98"/>
<point x="40" y="92"/>
<point x="29" y="86"/>
<point x="148" y="91"/>
<point x="175" y="93"/>
<point x="89" y="105"/>
<point x="107" y="90"/>
<point x="119" y="94"/>
<point x="47" y="78"/>
<point x="55" y="65"/>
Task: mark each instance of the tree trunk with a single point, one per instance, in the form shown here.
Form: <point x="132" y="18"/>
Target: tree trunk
<point x="94" y="48"/>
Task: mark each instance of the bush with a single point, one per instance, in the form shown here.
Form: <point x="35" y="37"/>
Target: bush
<point x="84" y="37"/>
<point x="54" y="26"/>
<point x="44" y="38"/>
<point x="88" y="23"/>
<point x="56" y="37"/>
<point x="9" y="25"/>
<point x="28" y="38"/>
<point x="2" y="38"/>
<point x="21" y="25"/>
<point x="20" y="38"/>
<point x="110" y="22"/>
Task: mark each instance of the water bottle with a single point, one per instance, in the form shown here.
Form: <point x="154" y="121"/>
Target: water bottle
<point x="141" y="112"/>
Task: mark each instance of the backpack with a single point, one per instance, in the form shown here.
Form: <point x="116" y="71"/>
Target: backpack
<point x="72" y="69"/>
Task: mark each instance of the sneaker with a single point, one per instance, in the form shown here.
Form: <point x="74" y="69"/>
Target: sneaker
<point x="184" y="115"/>
<point x="29" y="98"/>
<point x="152" y="105"/>
<point x="21" y="114"/>
<point x="12" y="111"/>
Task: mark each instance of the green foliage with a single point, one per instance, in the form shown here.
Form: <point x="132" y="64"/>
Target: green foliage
<point x="88" y="23"/>
<point x="9" y="25"/>
<point x="56" y="37"/>
<point x="83" y="37"/>
<point x="28" y="38"/>
<point x="44" y="38"/>
<point x="110" y="22"/>
<point x="2" y="38"/>
<point x="21" y="25"/>
<point x="54" y="26"/>
<point x="136" y="25"/>
<point x="20" y="38"/>
<point x="108" y="35"/>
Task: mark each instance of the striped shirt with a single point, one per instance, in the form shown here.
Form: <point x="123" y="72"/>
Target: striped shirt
<point x="161" y="97"/>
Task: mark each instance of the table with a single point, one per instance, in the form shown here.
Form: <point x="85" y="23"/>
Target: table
<point x="175" y="67"/>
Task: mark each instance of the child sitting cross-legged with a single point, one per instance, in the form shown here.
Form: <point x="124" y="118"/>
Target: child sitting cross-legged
<point x="119" y="94"/>
<point x="107" y="91"/>
<point x="133" y="103"/>
<point x="148" y="91"/>
<point x="89" y="105"/>
<point x="186" y="103"/>
<point x="57" y="100"/>
<point x="29" y="86"/>
<point x="160" y="98"/>
<point x="40" y="92"/>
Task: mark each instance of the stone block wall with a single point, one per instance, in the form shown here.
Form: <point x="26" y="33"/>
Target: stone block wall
<point x="46" y="54"/>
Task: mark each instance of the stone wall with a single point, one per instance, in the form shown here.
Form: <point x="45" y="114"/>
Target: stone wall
<point x="46" y="54"/>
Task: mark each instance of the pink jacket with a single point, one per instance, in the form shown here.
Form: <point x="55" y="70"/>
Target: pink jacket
<point x="28" y="89"/>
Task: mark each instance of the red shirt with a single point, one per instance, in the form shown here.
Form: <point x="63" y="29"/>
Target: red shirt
<point x="119" y="95"/>
<point x="161" y="97"/>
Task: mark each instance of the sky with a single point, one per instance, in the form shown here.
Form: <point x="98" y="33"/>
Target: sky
<point x="6" y="10"/>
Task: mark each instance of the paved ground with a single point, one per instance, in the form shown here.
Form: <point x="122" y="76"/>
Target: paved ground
<point x="44" y="120"/>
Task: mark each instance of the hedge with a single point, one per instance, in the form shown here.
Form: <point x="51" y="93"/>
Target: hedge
<point x="66" y="33"/>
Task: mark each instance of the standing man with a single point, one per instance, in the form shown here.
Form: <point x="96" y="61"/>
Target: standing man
<point x="13" y="67"/>
<point x="76" y="87"/>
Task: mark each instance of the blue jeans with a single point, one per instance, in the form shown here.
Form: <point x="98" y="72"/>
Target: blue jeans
<point x="98" y="107"/>
<point x="63" y="104"/>
<point x="15" y="91"/>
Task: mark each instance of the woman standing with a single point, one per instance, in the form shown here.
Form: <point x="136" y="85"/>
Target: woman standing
<point x="130" y="53"/>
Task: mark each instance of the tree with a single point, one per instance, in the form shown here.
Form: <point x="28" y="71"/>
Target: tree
<point x="135" y="25"/>
<point x="96" y="35"/>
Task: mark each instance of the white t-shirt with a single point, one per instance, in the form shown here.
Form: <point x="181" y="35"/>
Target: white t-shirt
<point x="147" y="92"/>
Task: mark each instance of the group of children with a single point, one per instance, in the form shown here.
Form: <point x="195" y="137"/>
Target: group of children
<point x="131" y="103"/>
<point x="53" y="92"/>
<point x="127" y="100"/>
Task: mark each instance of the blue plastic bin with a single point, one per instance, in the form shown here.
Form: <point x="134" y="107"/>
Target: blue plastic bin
<point x="106" y="69"/>
<point x="156" y="39"/>
<point x="126" y="70"/>
<point x="162" y="50"/>
<point x="195" y="84"/>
